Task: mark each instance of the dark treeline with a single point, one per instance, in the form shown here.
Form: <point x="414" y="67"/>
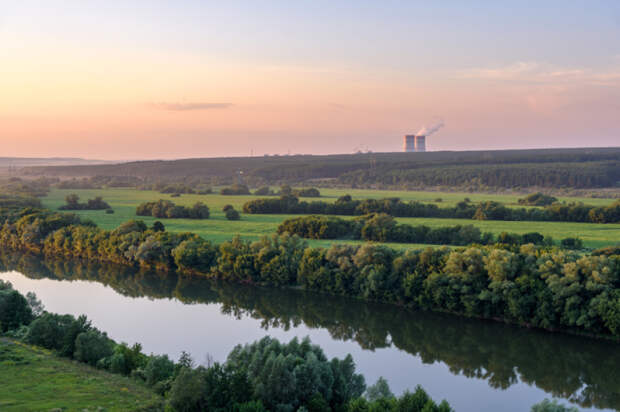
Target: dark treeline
<point x="489" y="210"/>
<point x="470" y="170"/>
<point x="480" y="177"/>
<point x="73" y="203"/>
<point x="166" y="209"/>
<point x="538" y="287"/>
<point x="262" y="376"/>
<point x="500" y="354"/>
<point x="380" y="227"/>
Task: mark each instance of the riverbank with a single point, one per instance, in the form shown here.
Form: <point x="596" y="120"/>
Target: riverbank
<point x="528" y="285"/>
<point x="34" y="379"/>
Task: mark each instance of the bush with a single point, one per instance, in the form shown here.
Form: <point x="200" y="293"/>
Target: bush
<point x="572" y="243"/>
<point x="537" y="199"/>
<point x="92" y="346"/>
<point x="158" y="369"/>
<point x="232" y="214"/>
<point x="310" y="192"/>
<point x="236" y="189"/>
<point x="109" y="211"/>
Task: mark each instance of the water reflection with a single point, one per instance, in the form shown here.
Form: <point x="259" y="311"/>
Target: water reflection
<point x="584" y="371"/>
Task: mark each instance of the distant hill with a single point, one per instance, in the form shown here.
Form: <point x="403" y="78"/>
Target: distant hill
<point x="576" y="168"/>
<point x="6" y="162"/>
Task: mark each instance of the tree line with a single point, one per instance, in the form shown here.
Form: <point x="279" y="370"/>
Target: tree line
<point x="166" y="209"/>
<point x="590" y="174"/>
<point x="381" y="227"/>
<point x="463" y="345"/>
<point x="551" y="168"/>
<point x="489" y="210"/>
<point x="262" y="376"/>
<point x="535" y="286"/>
<point x="72" y="202"/>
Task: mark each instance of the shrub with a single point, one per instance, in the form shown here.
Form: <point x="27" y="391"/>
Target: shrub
<point x="235" y="189"/>
<point x="158" y="369"/>
<point x="232" y="214"/>
<point x="537" y="199"/>
<point x="572" y="243"/>
<point x="92" y="346"/>
<point x="109" y="211"/>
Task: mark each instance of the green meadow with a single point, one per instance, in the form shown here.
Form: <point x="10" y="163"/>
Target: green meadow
<point x="218" y="229"/>
<point x="33" y="379"/>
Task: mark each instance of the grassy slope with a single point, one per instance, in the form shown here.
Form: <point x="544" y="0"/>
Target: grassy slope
<point x="218" y="229"/>
<point x="33" y="379"/>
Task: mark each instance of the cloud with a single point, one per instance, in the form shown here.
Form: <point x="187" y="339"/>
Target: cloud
<point x="182" y="107"/>
<point x="535" y="73"/>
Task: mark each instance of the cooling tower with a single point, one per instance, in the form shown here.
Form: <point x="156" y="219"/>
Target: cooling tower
<point x="420" y="144"/>
<point x="409" y="143"/>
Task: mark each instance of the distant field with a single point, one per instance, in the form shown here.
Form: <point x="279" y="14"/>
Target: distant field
<point x="218" y="229"/>
<point x="33" y="379"/>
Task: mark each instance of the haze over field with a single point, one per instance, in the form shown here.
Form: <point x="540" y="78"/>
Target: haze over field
<point x="157" y="79"/>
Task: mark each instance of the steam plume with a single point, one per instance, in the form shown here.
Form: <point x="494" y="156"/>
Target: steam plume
<point x="427" y="132"/>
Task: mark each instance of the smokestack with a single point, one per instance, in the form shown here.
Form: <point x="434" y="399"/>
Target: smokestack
<point x="409" y="143"/>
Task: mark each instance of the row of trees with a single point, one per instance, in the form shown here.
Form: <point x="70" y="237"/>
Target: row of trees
<point x="536" y="286"/>
<point x="73" y="203"/>
<point x="579" y="174"/>
<point x="167" y="209"/>
<point x="381" y="227"/>
<point x="262" y="376"/>
<point x="490" y="210"/>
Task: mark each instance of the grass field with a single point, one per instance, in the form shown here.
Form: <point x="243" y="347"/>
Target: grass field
<point x="33" y="379"/>
<point x="218" y="229"/>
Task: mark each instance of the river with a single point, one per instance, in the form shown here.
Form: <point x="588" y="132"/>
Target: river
<point x="475" y="365"/>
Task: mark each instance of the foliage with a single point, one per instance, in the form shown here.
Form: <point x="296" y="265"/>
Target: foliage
<point x="380" y="227"/>
<point x="232" y="214"/>
<point x="165" y="209"/>
<point x="537" y="286"/>
<point x="235" y="189"/>
<point x="548" y="168"/>
<point x="14" y="308"/>
<point x="73" y="203"/>
<point x="552" y="406"/>
<point x="537" y="199"/>
<point x="489" y="210"/>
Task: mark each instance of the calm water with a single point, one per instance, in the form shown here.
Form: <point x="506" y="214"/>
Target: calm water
<point x="475" y="365"/>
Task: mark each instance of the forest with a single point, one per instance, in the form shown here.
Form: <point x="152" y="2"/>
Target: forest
<point x="471" y="170"/>
<point x="489" y="210"/>
<point x="534" y="286"/>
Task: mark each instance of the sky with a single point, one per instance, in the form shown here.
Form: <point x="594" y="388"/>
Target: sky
<point x="173" y="79"/>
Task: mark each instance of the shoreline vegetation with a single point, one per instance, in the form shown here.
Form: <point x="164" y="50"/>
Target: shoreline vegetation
<point x="528" y="285"/>
<point x="266" y="375"/>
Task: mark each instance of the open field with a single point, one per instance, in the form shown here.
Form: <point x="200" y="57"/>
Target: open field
<point x="218" y="229"/>
<point x="33" y="379"/>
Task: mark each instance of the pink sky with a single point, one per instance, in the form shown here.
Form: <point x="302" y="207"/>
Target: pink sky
<point x="116" y="99"/>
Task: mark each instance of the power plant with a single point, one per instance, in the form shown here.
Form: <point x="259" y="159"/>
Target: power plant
<point x="417" y="142"/>
<point x="414" y="143"/>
